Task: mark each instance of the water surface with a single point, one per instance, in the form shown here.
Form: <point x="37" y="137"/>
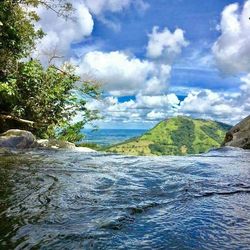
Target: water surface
<point x="71" y="200"/>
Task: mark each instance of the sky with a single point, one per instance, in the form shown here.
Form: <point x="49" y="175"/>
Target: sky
<point x="156" y="59"/>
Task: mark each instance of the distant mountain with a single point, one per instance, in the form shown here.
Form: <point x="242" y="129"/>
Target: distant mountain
<point x="175" y="136"/>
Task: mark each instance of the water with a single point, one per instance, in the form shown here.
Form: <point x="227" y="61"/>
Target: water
<point x="71" y="200"/>
<point x="111" y="136"/>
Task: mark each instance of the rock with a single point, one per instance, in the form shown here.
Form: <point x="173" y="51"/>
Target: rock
<point x="84" y="150"/>
<point x="22" y="139"/>
<point x="53" y="143"/>
<point x="17" y="139"/>
<point x="5" y="151"/>
<point x="239" y="135"/>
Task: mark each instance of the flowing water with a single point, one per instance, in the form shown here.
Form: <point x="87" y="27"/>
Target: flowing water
<point x="72" y="200"/>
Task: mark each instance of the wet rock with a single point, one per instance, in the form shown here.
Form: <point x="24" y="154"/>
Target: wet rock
<point x="84" y="150"/>
<point x="17" y="139"/>
<point x="53" y="143"/>
<point x="239" y="135"/>
<point x="22" y="139"/>
<point x="5" y="151"/>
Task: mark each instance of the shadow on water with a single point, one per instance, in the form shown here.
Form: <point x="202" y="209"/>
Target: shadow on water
<point x="70" y="200"/>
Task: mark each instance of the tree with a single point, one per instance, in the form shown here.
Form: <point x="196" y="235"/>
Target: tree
<point x="17" y="35"/>
<point x="46" y="100"/>
<point x="17" y="32"/>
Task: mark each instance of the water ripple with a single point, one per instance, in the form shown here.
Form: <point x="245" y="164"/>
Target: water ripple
<point x="59" y="199"/>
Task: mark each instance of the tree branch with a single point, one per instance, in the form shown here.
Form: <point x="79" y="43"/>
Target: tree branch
<point x="9" y="117"/>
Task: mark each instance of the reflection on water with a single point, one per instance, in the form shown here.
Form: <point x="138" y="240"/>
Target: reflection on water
<point x="70" y="200"/>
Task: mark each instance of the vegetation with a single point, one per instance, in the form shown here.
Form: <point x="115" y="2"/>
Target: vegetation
<point x="42" y="100"/>
<point x="176" y="136"/>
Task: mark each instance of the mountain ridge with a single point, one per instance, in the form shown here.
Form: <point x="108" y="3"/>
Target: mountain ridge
<point x="179" y="135"/>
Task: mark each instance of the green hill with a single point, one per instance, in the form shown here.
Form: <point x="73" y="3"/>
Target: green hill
<point x="176" y="136"/>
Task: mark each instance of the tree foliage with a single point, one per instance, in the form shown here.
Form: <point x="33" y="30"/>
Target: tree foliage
<point x="49" y="97"/>
<point x="17" y="36"/>
<point x="184" y="135"/>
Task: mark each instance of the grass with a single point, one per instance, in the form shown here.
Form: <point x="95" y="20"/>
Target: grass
<point x="175" y="136"/>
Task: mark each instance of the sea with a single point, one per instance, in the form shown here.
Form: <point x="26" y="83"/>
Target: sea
<point x="107" y="137"/>
<point x="67" y="199"/>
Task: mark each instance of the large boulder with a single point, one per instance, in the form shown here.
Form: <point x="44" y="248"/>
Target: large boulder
<point x="17" y="139"/>
<point x="239" y="135"/>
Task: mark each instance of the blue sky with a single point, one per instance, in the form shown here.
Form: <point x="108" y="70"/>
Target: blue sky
<point x="158" y="59"/>
<point x="199" y="20"/>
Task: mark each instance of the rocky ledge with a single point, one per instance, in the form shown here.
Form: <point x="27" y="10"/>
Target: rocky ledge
<point x="22" y="139"/>
<point x="18" y="139"/>
<point x="239" y="135"/>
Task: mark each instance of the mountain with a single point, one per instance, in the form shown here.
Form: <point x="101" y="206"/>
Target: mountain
<point x="175" y="136"/>
<point x="239" y="135"/>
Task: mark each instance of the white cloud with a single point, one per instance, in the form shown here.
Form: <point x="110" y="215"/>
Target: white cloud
<point x="61" y="33"/>
<point x="221" y="106"/>
<point x="164" y="45"/>
<point x="200" y="101"/>
<point x="154" y="115"/>
<point x="97" y="7"/>
<point x="122" y="74"/>
<point x="244" y="98"/>
<point x="232" y="49"/>
<point x="224" y="107"/>
<point x="162" y="101"/>
<point x="231" y="52"/>
<point x="144" y="109"/>
<point x="114" y="25"/>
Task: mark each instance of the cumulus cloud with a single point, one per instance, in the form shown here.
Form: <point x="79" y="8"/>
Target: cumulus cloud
<point x="113" y="111"/>
<point x="164" y="45"/>
<point x="232" y="49"/>
<point x="99" y="8"/>
<point x="221" y="106"/>
<point x="144" y="109"/>
<point x="204" y="102"/>
<point x="154" y="115"/>
<point x="122" y="74"/>
<point x="61" y="33"/>
<point x="162" y="101"/>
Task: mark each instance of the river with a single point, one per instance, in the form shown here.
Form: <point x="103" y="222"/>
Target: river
<point x="59" y="199"/>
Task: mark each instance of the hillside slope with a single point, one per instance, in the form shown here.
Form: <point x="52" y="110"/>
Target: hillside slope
<point x="239" y="135"/>
<point x="176" y="136"/>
